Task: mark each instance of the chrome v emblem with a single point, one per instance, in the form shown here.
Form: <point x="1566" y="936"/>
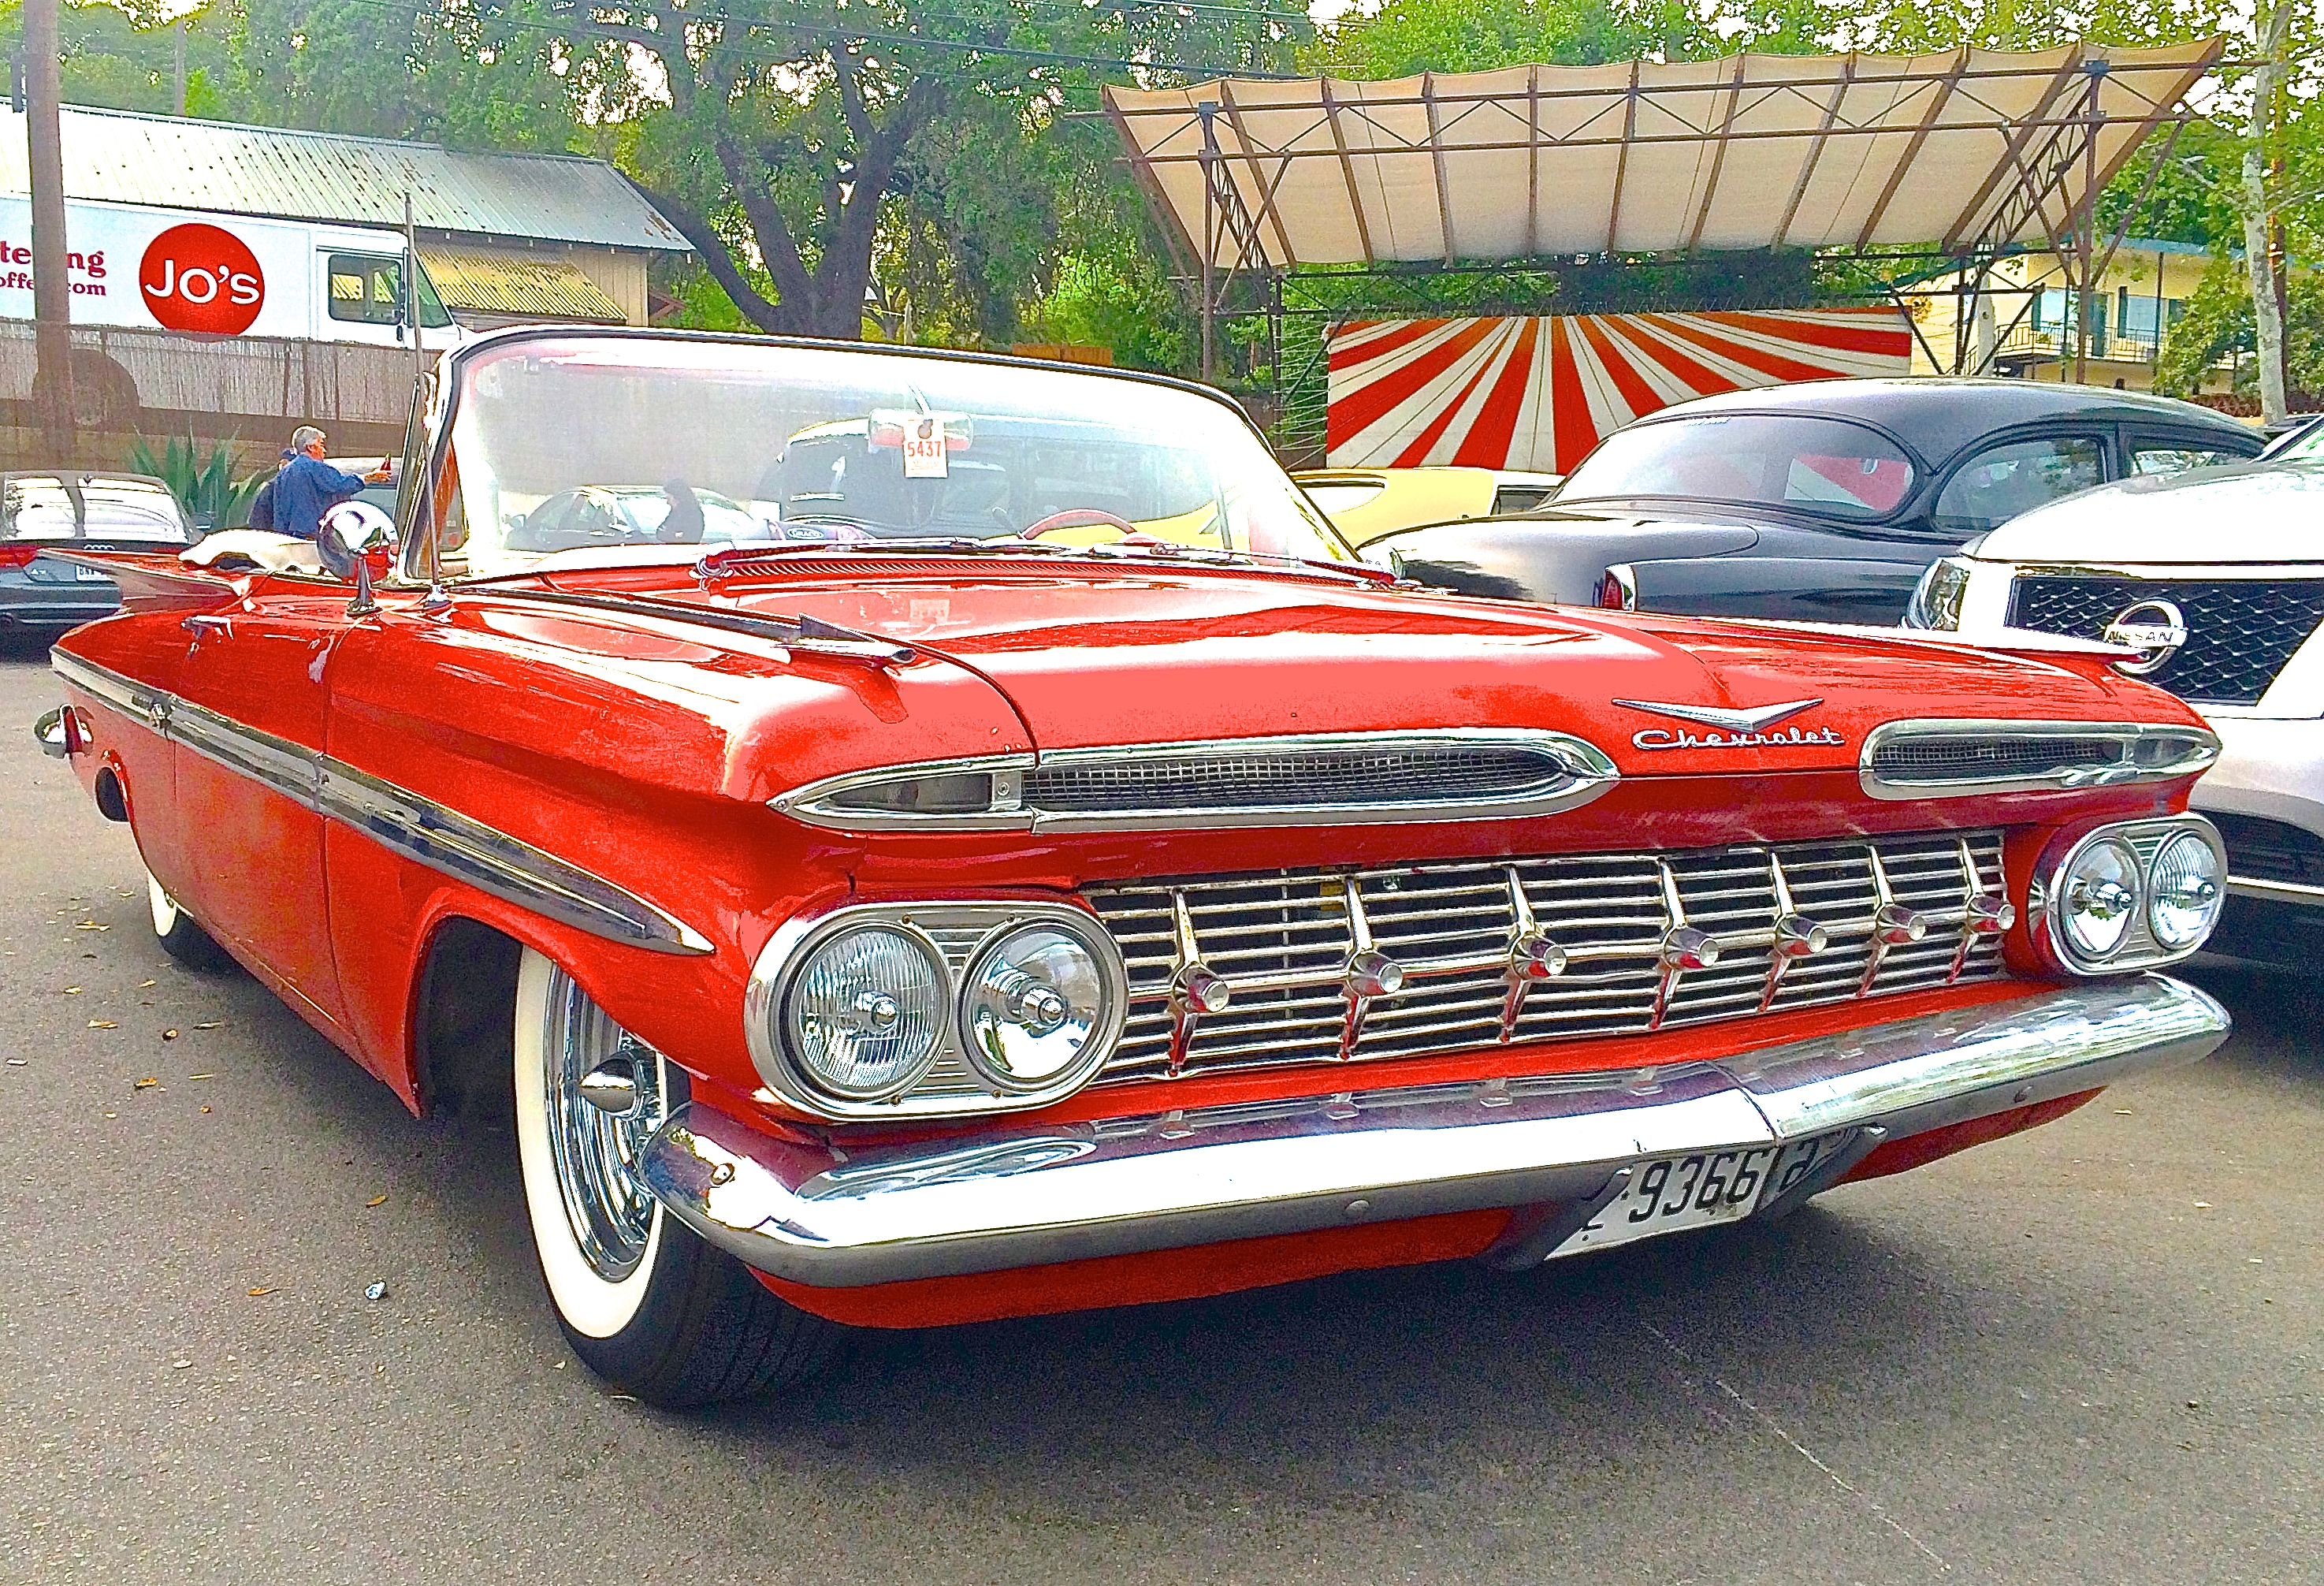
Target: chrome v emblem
<point x="1732" y="721"/>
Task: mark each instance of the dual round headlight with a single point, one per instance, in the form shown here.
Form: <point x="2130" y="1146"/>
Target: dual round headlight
<point x="871" y="1010"/>
<point x="2137" y="895"/>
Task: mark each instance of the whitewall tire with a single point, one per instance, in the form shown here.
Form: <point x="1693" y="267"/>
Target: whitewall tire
<point x="643" y="1302"/>
<point x="180" y="937"/>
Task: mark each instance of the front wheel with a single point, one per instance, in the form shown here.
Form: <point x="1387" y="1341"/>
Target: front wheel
<point x="643" y="1300"/>
<point x="180" y="936"/>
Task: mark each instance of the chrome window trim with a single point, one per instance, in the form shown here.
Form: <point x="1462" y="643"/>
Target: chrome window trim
<point x="1591" y="773"/>
<point x="421" y="829"/>
<point x="1877" y="786"/>
<point x="778" y="961"/>
<point x="2145" y="840"/>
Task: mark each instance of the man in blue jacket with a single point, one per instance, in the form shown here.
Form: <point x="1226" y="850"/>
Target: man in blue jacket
<point x="307" y="487"/>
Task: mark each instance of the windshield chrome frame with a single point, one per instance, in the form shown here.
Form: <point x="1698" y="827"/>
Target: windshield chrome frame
<point x="452" y="381"/>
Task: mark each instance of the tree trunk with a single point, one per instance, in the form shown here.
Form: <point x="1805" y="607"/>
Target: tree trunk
<point x="2267" y="316"/>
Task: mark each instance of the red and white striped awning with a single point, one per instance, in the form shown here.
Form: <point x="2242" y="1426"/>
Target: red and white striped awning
<point x="1537" y="393"/>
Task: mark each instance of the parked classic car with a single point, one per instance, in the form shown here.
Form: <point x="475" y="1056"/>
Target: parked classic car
<point x="1366" y="505"/>
<point x="84" y="511"/>
<point x="1821" y="502"/>
<point x="897" y="930"/>
<point x="2216" y="580"/>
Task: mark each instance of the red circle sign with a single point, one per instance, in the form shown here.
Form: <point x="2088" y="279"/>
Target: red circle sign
<point x="198" y="277"/>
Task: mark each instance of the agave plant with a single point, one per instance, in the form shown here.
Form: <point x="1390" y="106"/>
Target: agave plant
<point x="204" y="484"/>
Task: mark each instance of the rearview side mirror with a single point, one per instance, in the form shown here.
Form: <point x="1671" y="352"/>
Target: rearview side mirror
<point x="356" y="541"/>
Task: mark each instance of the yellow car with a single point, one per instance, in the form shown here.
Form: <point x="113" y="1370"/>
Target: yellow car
<point x="1365" y="503"/>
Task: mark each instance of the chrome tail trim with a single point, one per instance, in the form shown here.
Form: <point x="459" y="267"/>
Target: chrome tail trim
<point x="421" y="829"/>
<point x="819" y="1211"/>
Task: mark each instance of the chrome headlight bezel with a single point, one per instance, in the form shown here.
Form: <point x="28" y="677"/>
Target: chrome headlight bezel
<point x="2140" y="948"/>
<point x="1936" y="602"/>
<point x="957" y="932"/>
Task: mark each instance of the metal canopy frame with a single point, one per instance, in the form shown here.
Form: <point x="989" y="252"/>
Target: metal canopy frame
<point x="2062" y="125"/>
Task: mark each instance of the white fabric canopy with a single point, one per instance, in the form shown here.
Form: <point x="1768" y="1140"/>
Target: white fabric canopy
<point x="1752" y="151"/>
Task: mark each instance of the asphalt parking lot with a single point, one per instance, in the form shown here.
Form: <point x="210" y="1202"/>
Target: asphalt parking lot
<point x="2086" y="1354"/>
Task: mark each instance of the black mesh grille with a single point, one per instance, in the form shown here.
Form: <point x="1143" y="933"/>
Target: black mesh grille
<point x="1261" y="780"/>
<point x="2269" y="851"/>
<point x="1936" y="758"/>
<point x="2240" y="632"/>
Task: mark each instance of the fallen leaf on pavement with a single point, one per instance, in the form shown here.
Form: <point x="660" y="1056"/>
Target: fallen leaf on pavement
<point x="255" y="1293"/>
<point x="102" y="1024"/>
<point x="201" y="1076"/>
<point x="90" y="925"/>
<point x="143" y="984"/>
<point x="169" y="1034"/>
<point x="73" y="990"/>
<point x="147" y="1083"/>
<point x="376" y="1201"/>
<point x="213" y="1024"/>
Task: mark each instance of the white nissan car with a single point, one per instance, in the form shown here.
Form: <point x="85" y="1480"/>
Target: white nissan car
<point x="2215" y="579"/>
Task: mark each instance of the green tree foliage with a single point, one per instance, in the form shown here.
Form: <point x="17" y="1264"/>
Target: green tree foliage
<point x="2218" y="325"/>
<point x="775" y="132"/>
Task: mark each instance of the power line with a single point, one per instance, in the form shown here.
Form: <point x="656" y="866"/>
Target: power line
<point x="845" y="35"/>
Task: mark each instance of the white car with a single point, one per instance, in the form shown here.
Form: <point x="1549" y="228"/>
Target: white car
<point x="2214" y="579"/>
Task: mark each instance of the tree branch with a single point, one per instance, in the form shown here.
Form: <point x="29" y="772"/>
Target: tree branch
<point x="777" y="247"/>
<point x="717" y="259"/>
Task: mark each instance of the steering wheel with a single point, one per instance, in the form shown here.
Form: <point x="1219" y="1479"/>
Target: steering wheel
<point x="1089" y="518"/>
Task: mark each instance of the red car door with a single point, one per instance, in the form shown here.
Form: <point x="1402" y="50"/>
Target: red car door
<point x="247" y="739"/>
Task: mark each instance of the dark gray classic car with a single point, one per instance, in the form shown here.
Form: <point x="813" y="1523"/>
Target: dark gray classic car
<point x="1821" y="502"/>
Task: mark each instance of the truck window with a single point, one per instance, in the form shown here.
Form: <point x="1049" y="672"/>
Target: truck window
<point x="368" y="287"/>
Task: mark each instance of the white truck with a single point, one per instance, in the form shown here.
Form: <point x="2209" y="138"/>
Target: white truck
<point x="186" y="270"/>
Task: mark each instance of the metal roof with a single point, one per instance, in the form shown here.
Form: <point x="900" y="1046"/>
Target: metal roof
<point x="178" y="163"/>
<point x="1752" y="151"/>
<point x="536" y="289"/>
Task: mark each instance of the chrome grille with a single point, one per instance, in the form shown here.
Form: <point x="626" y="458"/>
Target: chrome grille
<point x="1418" y="771"/>
<point x="1283" y="942"/>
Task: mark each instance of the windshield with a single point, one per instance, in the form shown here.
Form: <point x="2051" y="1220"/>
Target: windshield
<point x="579" y="443"/>
<point x="1823" y="466"/>
<point x="50" y="509"/>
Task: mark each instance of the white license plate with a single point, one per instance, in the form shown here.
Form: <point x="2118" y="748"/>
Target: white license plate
<point x="1669" y="1194"/>
<point x="91" y="575"/>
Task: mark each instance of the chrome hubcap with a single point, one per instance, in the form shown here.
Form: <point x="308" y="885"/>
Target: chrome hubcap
<point x="597" y="1150"/>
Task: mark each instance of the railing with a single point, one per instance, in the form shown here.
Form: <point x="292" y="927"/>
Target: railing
<point x="2055" y="341"/>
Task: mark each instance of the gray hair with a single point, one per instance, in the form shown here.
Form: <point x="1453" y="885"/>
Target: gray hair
<point x="305" y="436"/>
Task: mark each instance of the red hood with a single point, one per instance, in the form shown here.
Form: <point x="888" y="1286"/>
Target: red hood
<point x="1094" y="659"/>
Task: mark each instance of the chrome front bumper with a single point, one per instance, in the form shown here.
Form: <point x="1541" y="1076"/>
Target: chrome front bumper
<point x="1018" y="1195"/>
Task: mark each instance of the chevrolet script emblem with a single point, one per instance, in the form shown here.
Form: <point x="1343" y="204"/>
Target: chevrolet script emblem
<point x="1739" y="729"/>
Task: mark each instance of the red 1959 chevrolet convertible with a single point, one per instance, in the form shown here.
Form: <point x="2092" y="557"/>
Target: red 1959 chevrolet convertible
<point x="930" y="837"/>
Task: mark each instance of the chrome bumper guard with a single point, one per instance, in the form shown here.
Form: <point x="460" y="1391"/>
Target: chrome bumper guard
<point x="820" y="1213"/>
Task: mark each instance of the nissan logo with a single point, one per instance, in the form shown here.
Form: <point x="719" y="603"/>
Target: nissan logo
<point x="2153" y="628"/>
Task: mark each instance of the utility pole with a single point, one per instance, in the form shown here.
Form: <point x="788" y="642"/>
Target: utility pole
<point x="2259" y="260"/>
<point x="52" y="391"/>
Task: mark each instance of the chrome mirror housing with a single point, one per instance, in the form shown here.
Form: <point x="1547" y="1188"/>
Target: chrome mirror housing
<point x="349" y="537"/>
